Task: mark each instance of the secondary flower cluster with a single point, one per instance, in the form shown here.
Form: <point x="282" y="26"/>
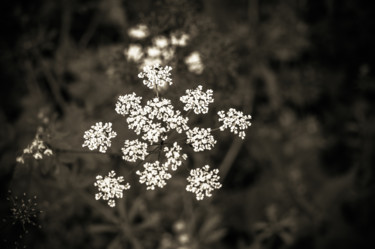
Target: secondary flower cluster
<point x="160" y="127"/>
<point x="99" y="136"/>
<point x="110" y="188"/>
<point x="202" y="181"/>
<point x="162" y="49"/>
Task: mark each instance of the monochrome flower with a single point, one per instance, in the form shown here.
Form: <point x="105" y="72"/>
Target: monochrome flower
<point x="160" y="108"/>
<point x="202" y="182"/>
<point x="134" y="150"/>
<point x="200" y="138"/>
<point x="156" y="76"/>
<point x="154" y="175"/>
<point x="99" y="136"/>
<point x="177" y="122"/>
<point x="139" y="32"/>
<point x="153" y="132"/>
<point x="110" y="188"/>
<point x="174" y="156"/>
<point x="138" y="121"/>
<point x="234" y="120"/>
<point x="197" y="100"/>
<point x="128" y="103"/>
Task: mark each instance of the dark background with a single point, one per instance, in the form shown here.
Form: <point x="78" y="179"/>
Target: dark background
<point x="302" y="178"/>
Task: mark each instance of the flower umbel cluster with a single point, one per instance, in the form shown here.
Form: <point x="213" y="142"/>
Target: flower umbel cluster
<point x="200" y="138"/>
<point x="154" y="175"/>
<point x="160" y="126"/>
<point x="110" y="188"/>
<point x="234" y="120"/>
<point x="202" y="182"/>
<point x="156" y="76"/>
<point x="174" y="156"/>
<point x="197" y="100"/>
<point x="134" y="150"/>
<point x="99" y="136"/>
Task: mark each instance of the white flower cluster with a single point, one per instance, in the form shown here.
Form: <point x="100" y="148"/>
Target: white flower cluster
<point x="202" y="182"/>
<point x="153" y="120"/>
<point x="156" y="76"/>
<point x="134" y="150"/>
<point x="110" y="188"/>
<point x="197" y="100"/>
<point x="99" y="136"/>
<point x="200" y="138"/>
<point x="155" y="123"/>
<point x="174" y="156"/>
<point x="154" y="175"/>
<point x="127" y="103"/>
<point x="235" y="120"/>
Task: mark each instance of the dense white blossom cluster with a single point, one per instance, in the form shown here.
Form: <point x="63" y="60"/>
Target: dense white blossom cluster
<point x="202" y="182"/>
<point x="156" y="76"/>
<point x="134" y="150"/>
<point x="174" y="156"/>
<point x="200" y="138"/>
<point x="154" y="175"/>
<point x="234" y="120"/>
<point x="110" y="188"/>
<point x="197" y="100"/>
<point x="127" y="103"/>
<point x="99" y="136"/>
<point x="155" y="121"/>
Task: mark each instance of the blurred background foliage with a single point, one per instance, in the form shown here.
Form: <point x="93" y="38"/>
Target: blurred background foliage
<point x="302" y="178"/>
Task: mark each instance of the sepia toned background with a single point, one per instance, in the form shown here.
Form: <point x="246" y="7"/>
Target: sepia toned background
<point x="302" y="178"/>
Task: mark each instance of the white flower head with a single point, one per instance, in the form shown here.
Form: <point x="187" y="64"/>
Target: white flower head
<point x="154" y="132"/>
<point x="110" y="188"/>
<point x="194" y="63"/>
<point x="134" y="52"/>
<point x="134" y="150"/>
<point x="129" y="103"/>
<point x="234" y="120"/>
<point x="202" y="182"/>
<point x="139" y="32"/>
<point x="161" y="41"/>
<point x="99" y="136"/>
<point x="156" y="76"/>
<point x="197" y="100"/>
<point x="200" y="138"/>
<point x="174" y="156"/>
<point x="154" y="175"/>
